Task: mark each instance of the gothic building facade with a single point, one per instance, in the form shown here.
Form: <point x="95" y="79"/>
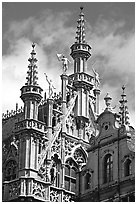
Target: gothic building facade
<point x="60" y="148"/>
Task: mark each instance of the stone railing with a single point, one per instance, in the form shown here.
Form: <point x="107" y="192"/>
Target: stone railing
<point x="30" y="124"/>
<point x="12" y="113"/>
<point x="81" y="77"/>
<point x="84" y="47"/>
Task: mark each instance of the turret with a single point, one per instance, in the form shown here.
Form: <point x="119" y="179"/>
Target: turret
<point x="82" y="82"/>
<point x="31" y="92"/>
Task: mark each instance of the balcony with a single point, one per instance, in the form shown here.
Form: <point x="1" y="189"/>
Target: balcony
<point x="30" y="124"/>
<point x="81" y="77"/>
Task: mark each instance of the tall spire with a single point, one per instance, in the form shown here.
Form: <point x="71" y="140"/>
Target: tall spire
<point x="124" y="119"/>
<point x="80" y="50"/>
<point x="31" y="92"/>
<point x="80" y="33"/>
<point x="32" y="72"/>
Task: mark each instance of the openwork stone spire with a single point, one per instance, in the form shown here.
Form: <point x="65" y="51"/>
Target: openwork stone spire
<point x="124" y="119"/>
<point x="32" y="72"/>
<point x="80" y="33"/>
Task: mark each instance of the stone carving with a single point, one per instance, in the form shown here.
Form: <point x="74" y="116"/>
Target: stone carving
<point x="51" y="87"/>
<point x="70" y="124"/>
<point x="88" y="130"/>
<point x="97" y="78"/>
<point x="43" y="173"/>
<point x="56" y="145"/>
<point x="39" y="190"/>
<point x="55" y="170"/>
<point x="79" y="156"/>
<point x="69" y="145"/>
<point x="54" y="196"/>
<point x="65" y="62"/>
<point x="14" y="189"/>
<point x="67" y="198"/>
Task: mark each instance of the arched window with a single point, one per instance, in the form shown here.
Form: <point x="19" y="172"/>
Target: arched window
<point x="87" y="181"/>
<point x="127" y="167"/>
<point x="70" y="175"/>
<point x="11" y="171"/>
<point x="108" y="168"/>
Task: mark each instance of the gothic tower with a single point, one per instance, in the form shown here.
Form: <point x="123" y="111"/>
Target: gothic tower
<point x="28" y="133"/>
<point x="52" y="135"/>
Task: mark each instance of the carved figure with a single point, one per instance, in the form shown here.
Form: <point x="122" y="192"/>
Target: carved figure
<point x="51" y="87"/>
<point x="65" y="61"/>
<point x="97" y="78"/>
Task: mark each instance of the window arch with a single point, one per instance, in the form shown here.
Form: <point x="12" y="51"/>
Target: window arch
<point x="108" y="168"/>
<point x="127" y="167"/>
<point x="70" y="175"/>
<point x="11" y="170"/>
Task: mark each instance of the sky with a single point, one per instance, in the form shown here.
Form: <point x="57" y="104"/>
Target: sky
<point x="110" y="31"/>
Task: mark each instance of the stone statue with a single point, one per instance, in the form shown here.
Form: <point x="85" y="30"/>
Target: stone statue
<point x="65" y="62"/>
<point x="97" y="78"/>
<point x="51" y="87"/>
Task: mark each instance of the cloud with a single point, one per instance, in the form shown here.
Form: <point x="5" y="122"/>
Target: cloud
<point x="113" y="53"/>
<point x="114" y="57"/>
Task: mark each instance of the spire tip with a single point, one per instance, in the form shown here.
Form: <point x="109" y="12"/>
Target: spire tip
<point x="81" y="8"/>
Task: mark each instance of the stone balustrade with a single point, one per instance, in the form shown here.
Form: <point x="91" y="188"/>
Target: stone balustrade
<point x="30" y="124"/>
<point x="84" y="47"/>
<point x="81" y="77"/>
<point x="31" y="89"/>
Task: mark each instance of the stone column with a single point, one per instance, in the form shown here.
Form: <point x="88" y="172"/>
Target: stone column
<point x="64" y="79"/>
<point x="50" y="113"/>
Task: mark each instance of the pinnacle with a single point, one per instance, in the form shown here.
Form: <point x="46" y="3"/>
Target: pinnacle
<point x="32" y="72"/>
<point x="124" y="108"/>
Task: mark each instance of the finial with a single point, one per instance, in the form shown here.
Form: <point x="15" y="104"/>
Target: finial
<point x="108" y="100"/>
<point x="81" y="8"/>
<point x="33" y="45"/>
<point x="123" y="87"/>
